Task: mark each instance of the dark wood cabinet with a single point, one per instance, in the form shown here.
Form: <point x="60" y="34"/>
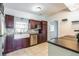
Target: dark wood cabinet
<point x="21" y="43"/>
<point x="40" y="38"/>
<point x="44" y="30"/>
<point x="26" y="42"/>
<point x="42" y="35"/>
<point x="17" y="44"/>
<point x="9" y="21"/>
<point x="12" y="44"/>
<point x="32" y="24"/>
<point x="9" y="44"/>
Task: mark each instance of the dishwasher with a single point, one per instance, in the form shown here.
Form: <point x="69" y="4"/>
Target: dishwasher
<point x="33" y="39"/>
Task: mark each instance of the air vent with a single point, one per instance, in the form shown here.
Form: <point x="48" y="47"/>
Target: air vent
<point x="64" y="19"/>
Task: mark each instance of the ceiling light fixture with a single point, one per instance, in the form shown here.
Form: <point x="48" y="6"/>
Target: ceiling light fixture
<point x="37" y="8"/>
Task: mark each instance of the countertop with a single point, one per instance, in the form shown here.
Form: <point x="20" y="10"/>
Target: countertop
<point x="19" y="36"/>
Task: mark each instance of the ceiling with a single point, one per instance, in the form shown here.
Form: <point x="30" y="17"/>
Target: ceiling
<point x="48" y="8"/>
<point x="72" y="6"/>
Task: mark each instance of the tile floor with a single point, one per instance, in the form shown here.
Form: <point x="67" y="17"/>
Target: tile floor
<point x="38" y="50"/>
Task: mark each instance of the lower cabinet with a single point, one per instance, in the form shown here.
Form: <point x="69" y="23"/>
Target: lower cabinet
<point x="21" y="43"/>
<point x="25" y="42"/>
<point x="15" y="44"/>
<point x="40" y="38"/>
<point x="8" y="47"/>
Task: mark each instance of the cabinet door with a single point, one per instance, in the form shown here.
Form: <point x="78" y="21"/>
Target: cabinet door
<point x="40" y="38"/>
<point x="8" y="44"/>
<point x="44" y="30"/>
<point x="25" y="42"/>
<point x="17" y="44"/>
<point x="21" y="43"/>
<point x="9" y="20"/>
<point x="32" y="24"/>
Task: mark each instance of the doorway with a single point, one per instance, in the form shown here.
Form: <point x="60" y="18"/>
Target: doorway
<point x="53" y="31"/>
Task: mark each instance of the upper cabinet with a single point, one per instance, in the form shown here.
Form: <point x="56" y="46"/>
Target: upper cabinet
<point x="32" y="24"/>
<point x="9" y="20"/>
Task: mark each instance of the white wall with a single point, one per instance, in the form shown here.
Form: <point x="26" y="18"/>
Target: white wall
<point x="65" y="28"/>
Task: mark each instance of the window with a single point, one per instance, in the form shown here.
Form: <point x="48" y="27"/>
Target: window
<point x="51" y="27"/>
<point x="21" y="26"/>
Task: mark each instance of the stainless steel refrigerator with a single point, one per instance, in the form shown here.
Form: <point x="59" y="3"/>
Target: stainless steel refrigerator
<point x="2" y="29"/>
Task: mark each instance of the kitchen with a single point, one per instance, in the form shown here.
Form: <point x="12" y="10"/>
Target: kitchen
<point x="26" y="31"/>
<point x="23" y="29"/>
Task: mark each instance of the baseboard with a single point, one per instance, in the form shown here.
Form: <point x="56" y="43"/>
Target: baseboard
<point x="70" y="36"/>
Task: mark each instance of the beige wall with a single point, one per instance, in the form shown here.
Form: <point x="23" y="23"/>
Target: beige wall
<point x="65" y="28"/>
